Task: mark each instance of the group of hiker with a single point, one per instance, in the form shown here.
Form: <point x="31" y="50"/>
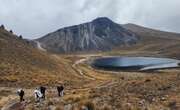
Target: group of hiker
<point x="39" y="93"/>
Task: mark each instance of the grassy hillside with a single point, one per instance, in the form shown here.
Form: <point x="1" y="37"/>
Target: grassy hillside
<point x="144" y="31"/>
<point x="152" y="43"/>
<point x="23" y="65"/>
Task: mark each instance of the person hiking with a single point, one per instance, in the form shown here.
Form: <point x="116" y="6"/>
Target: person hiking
<point x="43" y="91"/>
<point x="20" y="92"/>
<point x="60" y="90"/>
<point x="38" y="95"/>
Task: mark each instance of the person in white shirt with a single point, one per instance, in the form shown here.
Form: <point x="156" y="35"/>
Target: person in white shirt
<point x="43" y="91"/>
<point x="38" y="95"/>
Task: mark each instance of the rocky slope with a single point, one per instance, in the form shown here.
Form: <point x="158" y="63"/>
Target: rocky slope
<point x="101" y="34"/>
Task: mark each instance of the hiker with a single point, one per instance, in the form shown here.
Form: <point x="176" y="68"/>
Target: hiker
<point x="20" y="92"/>
<point x="38" y="95"/>
<point x="43" y="91"/>
<point x="60" y="90"/>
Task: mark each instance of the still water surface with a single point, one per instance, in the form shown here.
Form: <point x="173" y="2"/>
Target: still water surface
<point x="135" y="63"/>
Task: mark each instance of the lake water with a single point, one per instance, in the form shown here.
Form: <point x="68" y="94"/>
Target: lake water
<point x="134" y="63"/>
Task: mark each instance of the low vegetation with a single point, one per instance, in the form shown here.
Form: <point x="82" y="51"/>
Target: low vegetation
<point x="23" y="66"/>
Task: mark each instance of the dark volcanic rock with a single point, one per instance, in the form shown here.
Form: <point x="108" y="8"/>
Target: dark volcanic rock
<point x="101" y="34"/>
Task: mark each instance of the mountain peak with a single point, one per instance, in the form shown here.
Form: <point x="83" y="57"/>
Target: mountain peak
<point x="102" y="20"/>
<point x="101" y="34"/>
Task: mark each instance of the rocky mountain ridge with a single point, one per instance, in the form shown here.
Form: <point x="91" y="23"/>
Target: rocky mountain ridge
<point x="102" y="34"/>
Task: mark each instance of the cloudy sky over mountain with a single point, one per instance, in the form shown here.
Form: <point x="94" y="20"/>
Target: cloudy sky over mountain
<point x="35" y="18"/>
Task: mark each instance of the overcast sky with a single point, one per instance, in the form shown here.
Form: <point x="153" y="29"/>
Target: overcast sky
<point x="35" y="18"/>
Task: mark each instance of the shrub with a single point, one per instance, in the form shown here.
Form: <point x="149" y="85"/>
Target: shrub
<point x="2" y="26"/>
<point x="50" y="103"/>
<point x="87" y="105"/>
<point x="20" y="37"/>
<point x="11" y="31"/>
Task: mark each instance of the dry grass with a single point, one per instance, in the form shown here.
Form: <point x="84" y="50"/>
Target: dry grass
<point x="23" y="66"/>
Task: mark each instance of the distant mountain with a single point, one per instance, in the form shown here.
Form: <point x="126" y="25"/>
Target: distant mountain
<point x="156" y="41"/>
<point x="144" y="32"/>
<point x="101" y="34"/>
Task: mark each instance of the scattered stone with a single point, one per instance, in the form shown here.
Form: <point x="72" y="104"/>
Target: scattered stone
<point x="84" y="108"/>
<point x="164" y="88"/>
<point x="148" y="80"/>
<point x="68" y="107"/>
<point x="172" y="105"/>
<point x="14" y="106"/>
<point x="51" y="108"/>
<point x="122" y="78"/>
<point x="150" y="98"/>
<point x="128" y="105"/>
<point x="142" y="103"/>
<point x="163" y="99"/>
<point x="74" y="92"/>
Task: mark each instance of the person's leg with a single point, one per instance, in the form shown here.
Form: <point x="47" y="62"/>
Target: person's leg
<point x="36" y="98"/>
<point x="62" y="93"/>
<point x="59" y="93"/>
<point x="20" y="98"/>
<point x="23" y="98"/>
<point x="44" y="95"/>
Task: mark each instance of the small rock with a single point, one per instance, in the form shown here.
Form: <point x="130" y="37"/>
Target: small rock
<point x="84" y="108"/>
<point x="148" y="80"/>
<point x="172" y="105"/>
<point x="128" y="104"/>
<point x="52" y="108"/>
<point x="68" y="107"/>
<point x="163" y="99"/>
<point x="14" y="106"/>
<point x="142" y="102"/>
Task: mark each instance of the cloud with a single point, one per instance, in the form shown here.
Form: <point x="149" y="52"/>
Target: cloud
<point x="35" y="18"/>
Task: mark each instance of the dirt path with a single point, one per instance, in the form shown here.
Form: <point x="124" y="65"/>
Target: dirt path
<point x="99" y="86"/>
<point x="5" y="100"/>
<point x="75" y="67"/>
<point x="39" y="46"/>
